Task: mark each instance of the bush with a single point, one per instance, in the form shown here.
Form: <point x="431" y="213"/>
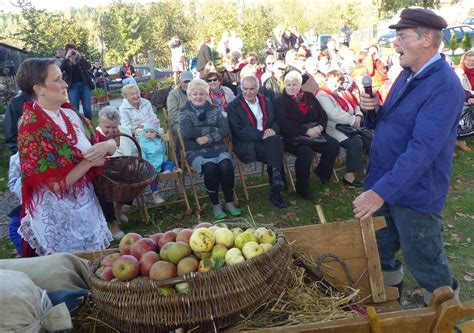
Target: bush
<point x="466" y="42"/>
<point x="453" y="43"/>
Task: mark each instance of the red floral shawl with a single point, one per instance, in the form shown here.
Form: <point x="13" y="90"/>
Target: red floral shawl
<point x="47" y="154"/>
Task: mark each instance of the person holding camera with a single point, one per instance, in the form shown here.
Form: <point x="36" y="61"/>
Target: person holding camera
<point x="80" y="82"/>
<point x="100" y="74"/>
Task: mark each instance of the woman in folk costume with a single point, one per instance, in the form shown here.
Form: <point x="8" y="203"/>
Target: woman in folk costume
<point x="60" y="154"/>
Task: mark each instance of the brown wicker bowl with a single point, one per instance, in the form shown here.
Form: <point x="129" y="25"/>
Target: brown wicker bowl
<point x="216" y="299"/>
<point x="125" y="177"/>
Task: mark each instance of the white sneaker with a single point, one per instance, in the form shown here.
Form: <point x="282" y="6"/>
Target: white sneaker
<point x="157" y="198"/>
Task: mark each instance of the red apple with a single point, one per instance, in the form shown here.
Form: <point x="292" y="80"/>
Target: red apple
<point x="126" y="267"/>
<point x="147" y="260"/>
<point x="126" y="241"/>
<point x="204" y="225"/>
<point x="184" y="235"/>
<point x="162" y="270"/>
<point x="156" y="237"/>
<point x="141" y="246"/>
<point x="169" y="236"/>
<point x="105" y="273"/>
<point x="109" y="259"/>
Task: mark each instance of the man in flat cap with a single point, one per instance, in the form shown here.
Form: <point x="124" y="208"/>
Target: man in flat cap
<point x="411" y="155"/>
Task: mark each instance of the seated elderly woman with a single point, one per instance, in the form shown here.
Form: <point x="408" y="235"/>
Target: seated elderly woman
<point x="218" y="94"/>
<point x="303" y="122"/>
<point x="60" y="154"/>
<point x="204" y="128"/>
<point x="342" y="108"/>
<point x="134" y="109"/>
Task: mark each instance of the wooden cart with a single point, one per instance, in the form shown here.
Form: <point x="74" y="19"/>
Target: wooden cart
<point x="354" y="242"/>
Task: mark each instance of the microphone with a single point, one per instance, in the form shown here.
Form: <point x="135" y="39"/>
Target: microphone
<point x="367" y="84"/>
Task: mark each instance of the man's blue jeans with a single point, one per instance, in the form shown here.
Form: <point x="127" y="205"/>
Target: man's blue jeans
<point x="420" y="237"/>
<point x="81" y="93"/>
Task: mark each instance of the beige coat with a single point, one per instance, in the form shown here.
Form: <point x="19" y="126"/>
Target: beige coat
<point x="464" y="80"/>
<point x="336" y="115"/>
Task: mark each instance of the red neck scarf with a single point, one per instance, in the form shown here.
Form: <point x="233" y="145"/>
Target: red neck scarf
<point x="47" y="154"/>
<point x="300" y="101"/>
<point x="469" y="73"/>
<point x="218" y="97"/>
<point x="339" y="100"/>
<point x="251" y="117"/>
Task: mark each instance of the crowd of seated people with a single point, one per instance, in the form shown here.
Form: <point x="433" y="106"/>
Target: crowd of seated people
<point x="294" y="103"/>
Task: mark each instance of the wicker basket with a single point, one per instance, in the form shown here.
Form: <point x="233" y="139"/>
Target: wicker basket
<point x="124" y="177"/>
<point x="217" y="298"/>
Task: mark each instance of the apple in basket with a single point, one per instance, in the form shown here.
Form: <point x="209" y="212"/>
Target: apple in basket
<point x="141" y="246"/>
<point x="108" y="260"/>
<point x="184" y="235"/>
<point x="105" y="273"/>
<point x="203" y="225"/>
<point x="147" y="260"/>
<point x="169" y="236"/>
<point x="163" y="270"/>
<point x="127" y="241"/>
<point x="126" y="267"/>
<point x="156" y="237"/>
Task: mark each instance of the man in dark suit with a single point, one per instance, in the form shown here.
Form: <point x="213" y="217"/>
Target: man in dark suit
<point x="255" y="135"/>
<point x="204" y="55"/>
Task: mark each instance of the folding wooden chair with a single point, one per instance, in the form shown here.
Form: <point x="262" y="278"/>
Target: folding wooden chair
<point x="190" y="171"/>
<point x="171" y="179"/>
<point x="255" y="171"/>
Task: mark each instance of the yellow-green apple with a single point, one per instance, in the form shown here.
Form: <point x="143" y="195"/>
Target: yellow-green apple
<point x="265" y="236"/>
<point x="245" y="237"/>
<point x="147" y="260"/>
<point x="141" y="246"/>
<point x="127" y="241"/>
<point x="165" y="250"/>
<point x="202" y="240"/>
<point x="205" y="265"/>
<point x="251" y="249"/>
<point x="218" y="251"/>
<point x="224" y="237"/>
<point x="126" y="267"/>
<point x="178" y="251"/>
<point x="234" y="256"/>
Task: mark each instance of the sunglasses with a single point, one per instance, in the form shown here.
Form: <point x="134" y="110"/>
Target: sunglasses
<point x="212" y="80"/>
<point x="186" y="81"/>
<point x="270" y="63"/>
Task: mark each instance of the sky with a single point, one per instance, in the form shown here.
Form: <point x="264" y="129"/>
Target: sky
<point x="6" y="5"/>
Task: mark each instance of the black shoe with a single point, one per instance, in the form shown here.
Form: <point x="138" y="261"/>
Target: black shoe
<point x="277" y="200"/>
<point x="277" y="184"/>
<point x="324" y="181"/>
<point x="354" y="183"/>
<point x="307" y="195"/>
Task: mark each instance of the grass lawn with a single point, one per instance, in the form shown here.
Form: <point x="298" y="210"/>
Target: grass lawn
<point x="336" y="201"/>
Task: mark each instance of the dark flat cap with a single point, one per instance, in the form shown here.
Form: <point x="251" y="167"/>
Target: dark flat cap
<point x="419" y="17"/>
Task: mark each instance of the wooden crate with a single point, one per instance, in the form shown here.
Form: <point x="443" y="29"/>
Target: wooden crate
<point x="354" y="242"/>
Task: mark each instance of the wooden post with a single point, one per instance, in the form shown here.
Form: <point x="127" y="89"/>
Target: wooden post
<point x="151" y="64"/>
<point x="320" y="212"/>
<point x="373" y="260"/>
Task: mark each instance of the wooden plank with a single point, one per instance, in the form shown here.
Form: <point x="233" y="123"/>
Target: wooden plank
<point x="373" y="260"/>
<point x="341" y="238"/>
<point x="418" y="320"/>
<point x="448" y="313"/>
